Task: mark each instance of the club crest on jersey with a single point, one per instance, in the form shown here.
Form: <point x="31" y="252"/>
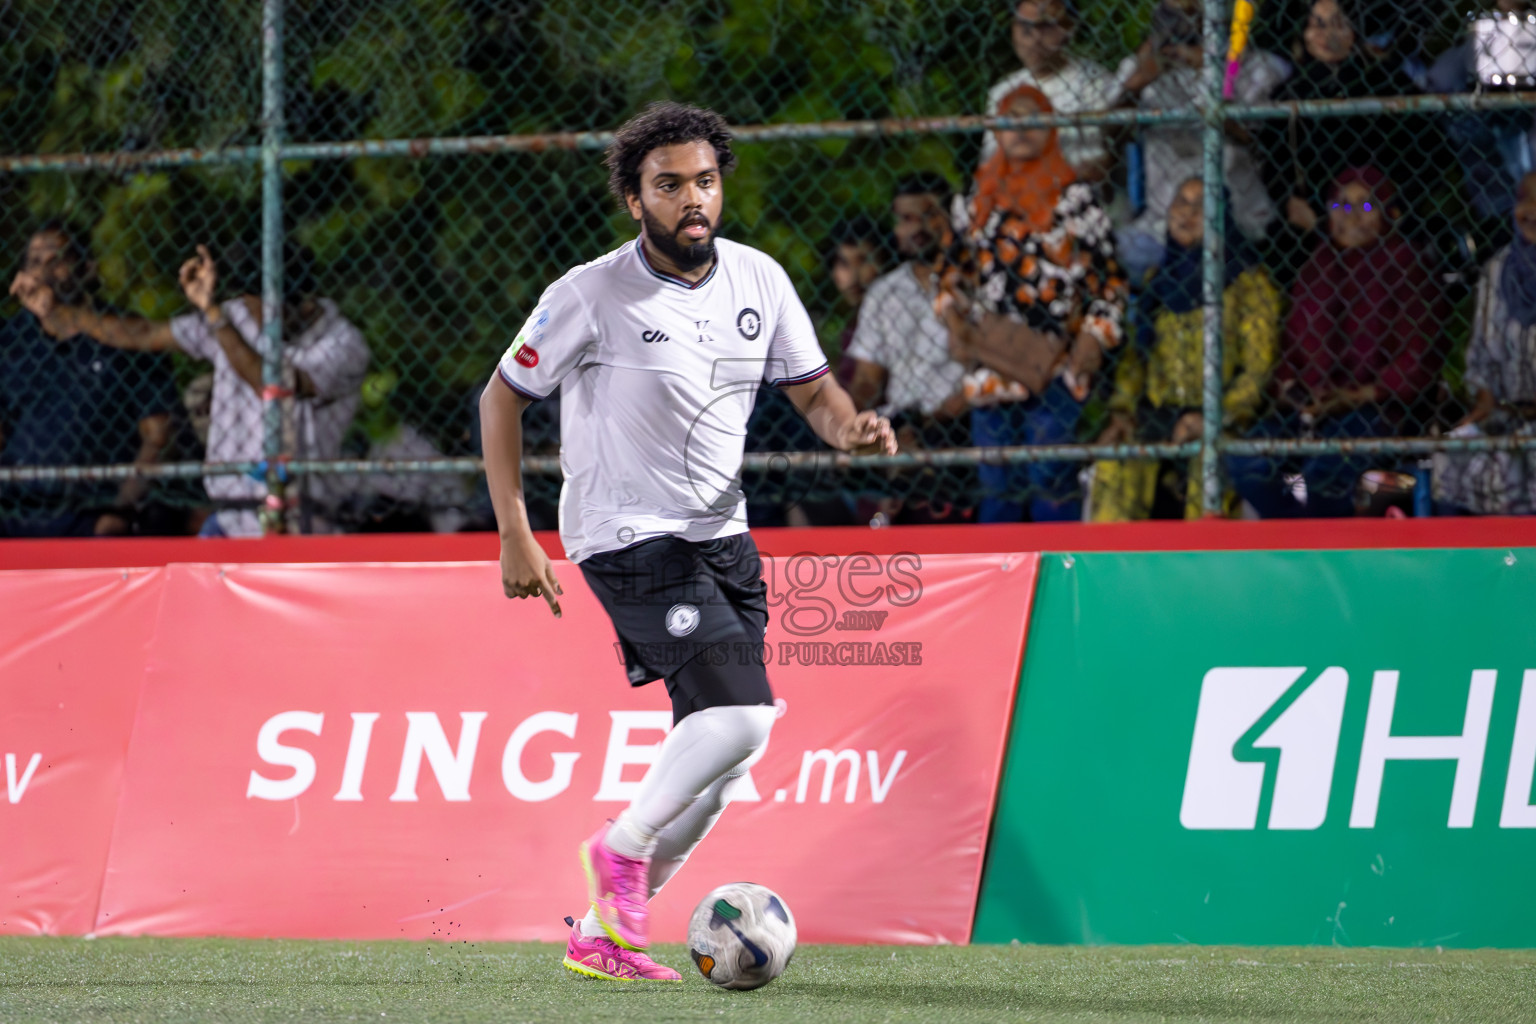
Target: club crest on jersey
<point x="682" y="619"/>
<point x="750" y="323"/>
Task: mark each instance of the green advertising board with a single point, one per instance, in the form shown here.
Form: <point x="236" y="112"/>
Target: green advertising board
<point x="1272" y="748"/>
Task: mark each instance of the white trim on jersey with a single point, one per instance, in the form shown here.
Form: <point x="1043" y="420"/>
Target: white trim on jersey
<point x="681" y="282"/>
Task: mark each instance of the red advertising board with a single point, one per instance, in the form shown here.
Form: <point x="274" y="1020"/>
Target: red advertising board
<point x="72" y="647"/>
<point x="397" y="751"/>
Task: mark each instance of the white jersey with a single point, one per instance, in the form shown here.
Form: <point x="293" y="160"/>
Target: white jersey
<point x="658" y="377"/>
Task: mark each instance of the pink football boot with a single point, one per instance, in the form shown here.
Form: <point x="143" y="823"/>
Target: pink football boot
<point x="601" y="957"/>
<point x="618" y="888"/>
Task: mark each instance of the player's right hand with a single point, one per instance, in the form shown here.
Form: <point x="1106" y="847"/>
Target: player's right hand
<point x="526" y="571"/>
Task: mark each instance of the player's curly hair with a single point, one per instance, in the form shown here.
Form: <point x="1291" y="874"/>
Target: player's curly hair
<point x="663" y="123"/>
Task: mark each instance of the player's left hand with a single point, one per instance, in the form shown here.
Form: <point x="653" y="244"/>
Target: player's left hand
<point x="869" y="434"/>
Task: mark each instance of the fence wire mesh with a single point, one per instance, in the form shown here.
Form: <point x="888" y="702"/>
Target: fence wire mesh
<point x="1029" y="303"/>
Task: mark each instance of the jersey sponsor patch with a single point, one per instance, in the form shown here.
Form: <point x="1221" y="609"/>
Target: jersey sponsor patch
<point x="526" y="355"/>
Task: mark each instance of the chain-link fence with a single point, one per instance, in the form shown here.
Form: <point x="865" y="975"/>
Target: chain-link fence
<point x="382" y="191"/>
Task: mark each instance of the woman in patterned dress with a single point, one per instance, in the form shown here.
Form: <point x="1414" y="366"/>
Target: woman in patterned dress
<point x="1033" y="298"/>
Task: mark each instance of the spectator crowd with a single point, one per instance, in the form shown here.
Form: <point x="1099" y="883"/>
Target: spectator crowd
<point x="1054" y="298"/>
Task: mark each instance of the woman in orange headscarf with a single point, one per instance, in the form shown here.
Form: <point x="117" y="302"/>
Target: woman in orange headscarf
<point x="1033" y="298"/>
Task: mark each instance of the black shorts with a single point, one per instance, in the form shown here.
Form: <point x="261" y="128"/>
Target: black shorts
<point x="693" y="613"/>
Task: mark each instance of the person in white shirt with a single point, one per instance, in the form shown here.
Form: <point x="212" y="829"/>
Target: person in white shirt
<point x="1042" y="32"/>
<point x="901" y="347"/>
<point x="658" y="349"/>
<point x="324" y="360"/>
<point x="1165" y="74"/>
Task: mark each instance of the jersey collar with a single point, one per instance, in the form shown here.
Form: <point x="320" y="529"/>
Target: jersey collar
<point x="672" y="278"/>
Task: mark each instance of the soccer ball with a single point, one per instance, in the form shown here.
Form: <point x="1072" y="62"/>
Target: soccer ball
<point x="741" y="936"/>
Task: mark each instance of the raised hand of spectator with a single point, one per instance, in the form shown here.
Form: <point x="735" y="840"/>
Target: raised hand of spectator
<point x="1085" y="358"/>
<point x="1121" y="429"/>
<point x="1300" y="213"/>
<point x="34" y="296"/>
<point x="1188" y="428"/>
<point x="199" y="278"/>
<point x="1188" y="54"/>
<point x="1149" y="64"/>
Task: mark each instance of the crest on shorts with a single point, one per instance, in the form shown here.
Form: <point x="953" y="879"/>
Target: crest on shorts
<point x="682" y="619"/>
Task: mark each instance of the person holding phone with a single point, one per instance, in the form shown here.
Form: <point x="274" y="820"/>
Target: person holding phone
<point x="1165" y="73"/>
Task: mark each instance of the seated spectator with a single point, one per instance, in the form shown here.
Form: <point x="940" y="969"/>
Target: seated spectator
<point x="1042" y="36"/>
<point x="1494" y="147"/>
<point x="1159" y="380"/>
<point x="1303" y="155"/>
<point x="901" y="347"/>
<point x="65" y="402"/>
<point x="1392" y="32"/>
<point x="901" y="351"/>
<point x="1166" y="73"/>
<point x="323" y="367"/>
<point x="856" y="255"/>
<point x="1033" y="295"/>
<point x="1360" y="349"/>
<point x="1501" y="376"/>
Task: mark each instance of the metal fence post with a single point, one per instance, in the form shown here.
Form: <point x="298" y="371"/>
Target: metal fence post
<point x="272" y="256"/>
<point x="1213" y="263"/>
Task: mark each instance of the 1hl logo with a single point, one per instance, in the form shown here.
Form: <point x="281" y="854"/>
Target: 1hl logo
<point x="1245" y="712"/>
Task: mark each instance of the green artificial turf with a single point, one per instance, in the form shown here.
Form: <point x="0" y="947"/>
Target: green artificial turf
<point x="194" y="980"/>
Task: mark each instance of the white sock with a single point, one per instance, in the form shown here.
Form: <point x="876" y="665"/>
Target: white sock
<point x="695" y="755"/>
<point x="688" y="829"/>
<point x="681" y="837"/>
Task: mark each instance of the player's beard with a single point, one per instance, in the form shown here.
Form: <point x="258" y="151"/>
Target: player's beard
<point x="684" y="257"/>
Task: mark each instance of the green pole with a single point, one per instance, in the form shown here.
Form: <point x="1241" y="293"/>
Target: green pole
<point x="1213" y="262"/>
<point x="272" y="254"/>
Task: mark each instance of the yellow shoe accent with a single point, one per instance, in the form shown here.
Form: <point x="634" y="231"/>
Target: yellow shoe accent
<point x="585" y="971"/>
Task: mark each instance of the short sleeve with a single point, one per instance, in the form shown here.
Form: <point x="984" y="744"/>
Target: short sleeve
<point x="193" y="337"/>
<point x="794" y="354"/>
<point x="868" y="344"/>
<point x="551" y="343"/>
<point x="336" y="363"/>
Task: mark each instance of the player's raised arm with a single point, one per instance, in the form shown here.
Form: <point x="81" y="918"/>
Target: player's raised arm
<point x="525" y="568"/>
<point x="831" y="413"/>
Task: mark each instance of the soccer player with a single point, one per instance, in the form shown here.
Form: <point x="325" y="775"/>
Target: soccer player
<point x="658" y="348"/>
